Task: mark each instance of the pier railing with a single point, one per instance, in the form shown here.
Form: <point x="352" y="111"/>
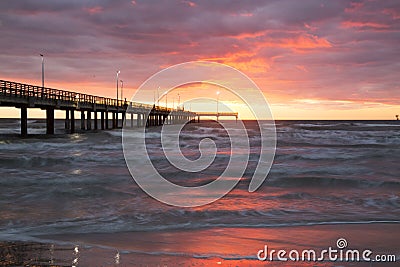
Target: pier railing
<point x="20" y="90"/>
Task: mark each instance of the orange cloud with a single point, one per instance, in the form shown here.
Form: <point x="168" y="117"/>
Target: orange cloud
<point x="359" y="24"/>
<point x="306" y="41"/>
<point x="245" y="61"/>
<point x="249" y="35"/>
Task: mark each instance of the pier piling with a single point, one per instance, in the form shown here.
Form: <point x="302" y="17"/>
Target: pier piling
<point x="95" y="120"/>
<point x="67" y="122"/>
<point x="89" y="121"/>
<point x="24" y="121"/>
<point x="50" y="120"/>
<point x="102" y="126"/>
<point x="72" y="121"/>
<point x="82" y="120"/>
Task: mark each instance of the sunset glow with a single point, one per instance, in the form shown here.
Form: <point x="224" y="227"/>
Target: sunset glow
<point x="315" y="59"/>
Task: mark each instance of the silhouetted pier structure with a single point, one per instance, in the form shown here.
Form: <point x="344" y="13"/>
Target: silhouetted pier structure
<point x="24" y="96"/>
<point x="216" y="114"/>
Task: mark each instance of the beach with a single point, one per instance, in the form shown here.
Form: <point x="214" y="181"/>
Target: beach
<point x="219" y="246"/>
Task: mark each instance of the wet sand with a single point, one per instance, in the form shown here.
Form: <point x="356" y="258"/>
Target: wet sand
<point x="218" y="246"/>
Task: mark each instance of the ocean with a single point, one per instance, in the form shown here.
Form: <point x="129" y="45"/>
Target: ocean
<point x="74" y="193"/>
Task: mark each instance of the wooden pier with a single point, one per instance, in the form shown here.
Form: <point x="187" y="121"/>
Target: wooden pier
<point x="216" y="114"/>
<point x="24" y="96"/>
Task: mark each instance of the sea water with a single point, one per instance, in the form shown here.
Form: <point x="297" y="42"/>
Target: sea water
<point x="324" y="173"/>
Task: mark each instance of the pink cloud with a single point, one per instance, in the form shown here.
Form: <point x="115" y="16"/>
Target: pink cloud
<point x="189" y="3"/>
<point x="395" y="14"/>
<point x="94" y="10"/>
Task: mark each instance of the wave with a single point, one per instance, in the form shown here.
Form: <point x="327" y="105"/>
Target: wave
<point x="27" y="236"/>
<point x="330" y="181"/>
<point x="136" y="216"/>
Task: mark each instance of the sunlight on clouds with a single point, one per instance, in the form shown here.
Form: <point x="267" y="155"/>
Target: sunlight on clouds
<point x="359" y="24"/>
<point x="94" y="10"/>
<point x="311" y="59"/>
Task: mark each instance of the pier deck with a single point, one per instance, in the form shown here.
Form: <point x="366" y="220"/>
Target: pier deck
<point x="24" y="96"/>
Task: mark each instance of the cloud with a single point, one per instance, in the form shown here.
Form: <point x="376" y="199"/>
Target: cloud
<point x="311" y="49"/>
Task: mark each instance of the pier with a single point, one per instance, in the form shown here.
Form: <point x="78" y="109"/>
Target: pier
<point x="24" y="96"/>
<point x="216" y="114"/>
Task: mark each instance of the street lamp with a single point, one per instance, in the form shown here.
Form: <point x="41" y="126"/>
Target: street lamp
<point x="179" y="100"/>
<point x="122" y="89"/>
<point x="118" y="72"/>
<point x="42" y="70"/>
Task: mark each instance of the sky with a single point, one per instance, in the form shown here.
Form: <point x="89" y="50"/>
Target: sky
<point x="312" y="59"/>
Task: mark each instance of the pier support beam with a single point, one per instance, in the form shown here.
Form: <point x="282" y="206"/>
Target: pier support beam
<point x="102" y="126"/>
<point x="95" y="120"/>
<point x="114" y="125"/>
<point x="107" y="120"/>
<point x="67" y="123"/>
<point x="72" y="121"/>
<point x="50" y="120"/>
<point x="138" y="118"/>
<point x="24" y="121"/>
<point x="82" y="120"/>
<point x="89" y="121"/>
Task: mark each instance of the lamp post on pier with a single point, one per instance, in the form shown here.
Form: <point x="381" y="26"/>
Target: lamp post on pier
<point x="118" y="72"/>
<point x="42" y="56"/>
<point x="122" y="89"/>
